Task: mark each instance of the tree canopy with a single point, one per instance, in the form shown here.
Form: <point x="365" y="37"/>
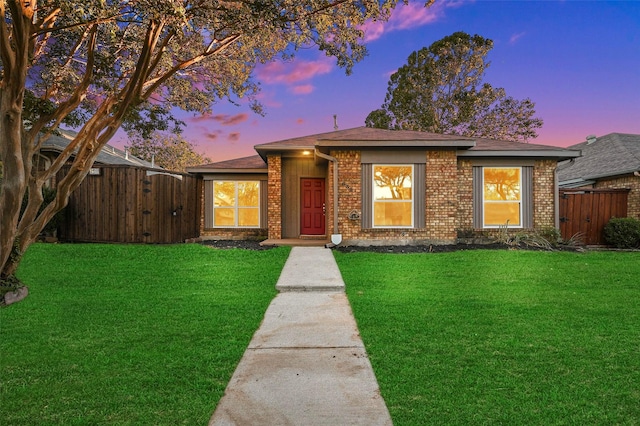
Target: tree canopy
<point x="440" y="89"/>
<point x="102" y="64"/>
<point x="169" y="151"/>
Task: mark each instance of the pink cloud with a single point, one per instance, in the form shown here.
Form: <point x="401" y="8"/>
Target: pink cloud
<point x="293" y="72"/>
<point x="224" y="119"/>
<point x="304" y="89"/>
<point x="212" y="135"/>
<point x="515" y="37"/>
<point x="405" y="17"/>
<point x="233" y="137"/>
<point x="300" y="121"/>
<point x="266" y="98"/>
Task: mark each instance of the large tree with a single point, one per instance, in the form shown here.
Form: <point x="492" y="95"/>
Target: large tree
<point x="99" y="64"/>
<point x="169" y="151"/>
<point x="441" y="90"/>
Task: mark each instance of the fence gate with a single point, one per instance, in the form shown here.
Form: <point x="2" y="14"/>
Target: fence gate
<point x="133" y="205"/>
<point x="587" y="211"/>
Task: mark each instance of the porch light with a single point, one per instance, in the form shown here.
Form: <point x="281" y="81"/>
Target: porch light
<point x="306" y="152"/>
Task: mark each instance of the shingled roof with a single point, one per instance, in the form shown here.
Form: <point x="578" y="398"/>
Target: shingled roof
<point x="109" y="155"/>
<point x="367" y="137"/>
<point x="251" y="164"/>
<point x="372" y="138"/>
<point x="612" y="155"/>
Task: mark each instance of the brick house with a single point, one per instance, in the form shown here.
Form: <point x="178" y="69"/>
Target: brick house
<point x="607" y="162"/>
<point x="366" y="186"/>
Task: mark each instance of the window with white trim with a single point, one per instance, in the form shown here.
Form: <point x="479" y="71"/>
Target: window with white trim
<point x="393" y="196"/>
<point x="502" y="197"/>
<point x="236" y="204"/>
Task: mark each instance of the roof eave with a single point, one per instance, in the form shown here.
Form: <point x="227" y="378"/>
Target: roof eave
<point x="575" y="183"/>
<point x="204" y="170"/>
<point x="282" y="148"/>
<point x="264" y="150"/>
<point x="458" y="144"/>
<point x="559" y="155"/>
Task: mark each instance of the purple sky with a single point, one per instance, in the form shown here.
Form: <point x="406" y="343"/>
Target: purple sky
<point x="579" y="61"/>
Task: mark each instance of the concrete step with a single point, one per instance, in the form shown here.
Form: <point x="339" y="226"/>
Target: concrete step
<point x="310" y="269"/>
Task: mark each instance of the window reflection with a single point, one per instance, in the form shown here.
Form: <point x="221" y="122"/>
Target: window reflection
<point x="502" y="196"/>
<point x="236" y="204"/>
<point x="393" y="195"/>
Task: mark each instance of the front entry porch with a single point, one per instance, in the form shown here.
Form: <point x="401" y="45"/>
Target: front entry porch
<point x="295" y="242"/>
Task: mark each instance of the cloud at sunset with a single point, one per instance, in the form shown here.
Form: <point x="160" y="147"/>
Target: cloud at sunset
<point x="233" y="137"/>
<point x="406" y="17"/>
<point x="212" y="136"/>
<point x="223" y="119"/>
<point x="293" y="73"/>
<point x="303" y="89"/>
<point x="268" y="99"/>
<point x="515" y="37"/>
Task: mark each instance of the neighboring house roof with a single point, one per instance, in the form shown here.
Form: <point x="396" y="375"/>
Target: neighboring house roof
<point x="109" y="155"/>
<point x="612" y="155"/>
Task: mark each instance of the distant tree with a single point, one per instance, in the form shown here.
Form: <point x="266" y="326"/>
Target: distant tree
<point x="103" y="64"/>
<point x="440" y="90"/>
<point x="169" y="151"/>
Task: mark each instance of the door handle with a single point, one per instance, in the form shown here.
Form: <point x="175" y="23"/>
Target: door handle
<point x="324" y="208"/>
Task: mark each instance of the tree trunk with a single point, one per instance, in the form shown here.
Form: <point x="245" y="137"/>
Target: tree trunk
<point x="15" y="56"/>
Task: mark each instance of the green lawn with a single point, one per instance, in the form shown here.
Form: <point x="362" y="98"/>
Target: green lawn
<point x="129" y="334"/>
<point x="501" y="337"/>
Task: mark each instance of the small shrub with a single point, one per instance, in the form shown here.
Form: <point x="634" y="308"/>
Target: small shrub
<point x="522" y="238"/>
<point x="576" y="239"/>
<point x="623" y="232"/>
<point x="551" y="234"/>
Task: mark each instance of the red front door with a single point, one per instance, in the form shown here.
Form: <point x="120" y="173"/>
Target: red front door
<point x="312" y="209"/>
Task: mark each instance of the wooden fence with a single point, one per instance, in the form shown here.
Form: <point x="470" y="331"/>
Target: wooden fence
<point x="133" y="205"/>
<point x="587" y="211"/>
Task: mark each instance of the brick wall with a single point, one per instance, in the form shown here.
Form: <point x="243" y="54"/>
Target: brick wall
<point x="274" y="197"/>
<point x="544" y="194"/>
<point x="464" y="217"/>
<point x="631" y="182"/>
<point x="349" y="193"/>
<point x="442" y="195"/>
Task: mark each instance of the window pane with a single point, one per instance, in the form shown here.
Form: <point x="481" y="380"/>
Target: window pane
<point x="224" y="194"/>
<point x="248" y="194"/>
<point x="496" y="214"/>
<point x="248" y="217"/>
<point x="224" y="217"/>
<point x="392" y="182"/>
<point x="392" y="213"/>
<point x="502" y="183"/>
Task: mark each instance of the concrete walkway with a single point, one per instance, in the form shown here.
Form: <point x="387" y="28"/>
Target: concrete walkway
<point x="306" y="364"/>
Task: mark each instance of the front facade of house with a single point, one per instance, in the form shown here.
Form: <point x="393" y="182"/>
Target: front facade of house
<point x="371" y="186"/>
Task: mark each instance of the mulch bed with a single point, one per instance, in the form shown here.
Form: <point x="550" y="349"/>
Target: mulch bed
<point x="255" y="245"/>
